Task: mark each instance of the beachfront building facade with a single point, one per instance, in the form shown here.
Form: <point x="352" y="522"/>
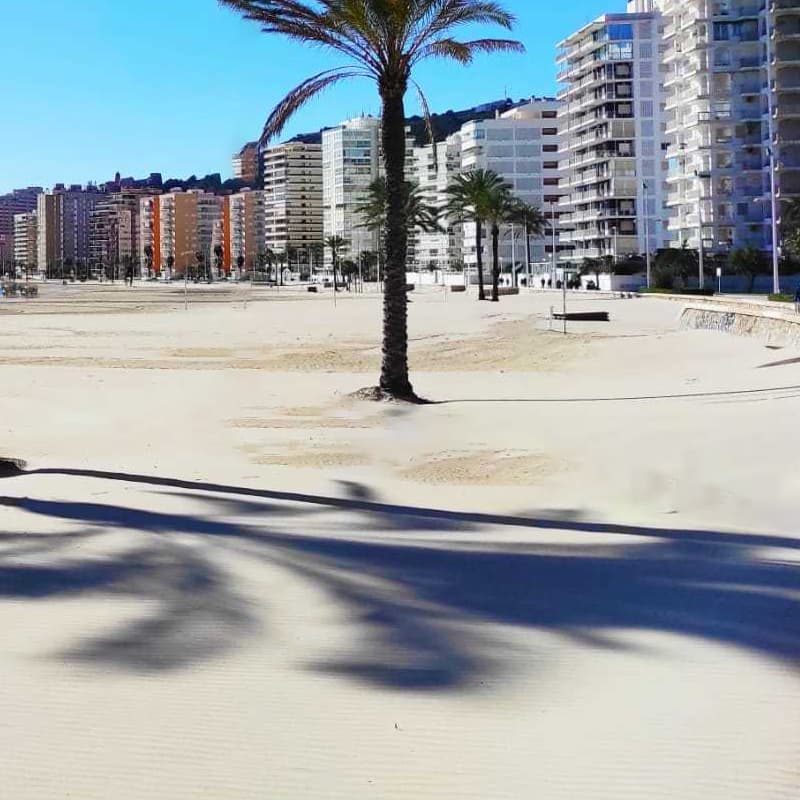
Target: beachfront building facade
<point x="242" y="225"/>
<point x="180" y="228"/>
<point x="784" y="30"/>
<point x="522" y="146"/>
<point x="610" y="123"/>
<point x="25" y="238"/>
<point x="63" y="235"/>
<point x="717" y="124"/>
<point x="733" y="118"/>
<point x="114" y="232"/>
<point x="433" y="167"/>
<point x="293" y="199"/>
<point x="351" y="161"/>
<point x="20" y="201"/>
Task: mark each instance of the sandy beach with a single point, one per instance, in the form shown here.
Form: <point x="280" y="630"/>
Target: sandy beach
<point x="574" y="574"/>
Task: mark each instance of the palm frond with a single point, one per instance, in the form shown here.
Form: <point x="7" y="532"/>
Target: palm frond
<point x="300" y="95"/>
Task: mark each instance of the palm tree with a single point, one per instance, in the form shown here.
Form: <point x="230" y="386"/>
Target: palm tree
<point x="148" y="258"/>
<point x="219" y="258"/>
<point x="336" y="244"/>
<point x="383" y="41"/>
<point x="419" y="214"/>
<point x="532" y="220"/>
<point x="790" y="223"/>
<point x="481" y="197"/>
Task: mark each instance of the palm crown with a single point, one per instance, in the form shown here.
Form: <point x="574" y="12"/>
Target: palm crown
<point x="383" y="41"/>
<point x="419" y="214"/>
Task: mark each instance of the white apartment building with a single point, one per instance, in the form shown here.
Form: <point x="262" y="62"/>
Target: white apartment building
<point x="610" y="123"/>
<point x="785" y="29"/>
<point x="351" y="161"/>
<point x="723" y="124"/>
<point x="25" y="246"/>
<point x="351" y="157"/>
<point x="433" y="172"/>
<point x="293" y="216"/>
<point x="522" y="146"/>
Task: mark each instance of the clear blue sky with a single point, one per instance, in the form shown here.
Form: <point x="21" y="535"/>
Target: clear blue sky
<point x="175" y="86"/>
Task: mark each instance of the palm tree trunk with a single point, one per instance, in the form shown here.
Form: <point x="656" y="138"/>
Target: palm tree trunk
<point x="394" y="369"/>
<point x="479" y="255"/>
<point x="495" y="263"/>
<point x="528" y="252"/>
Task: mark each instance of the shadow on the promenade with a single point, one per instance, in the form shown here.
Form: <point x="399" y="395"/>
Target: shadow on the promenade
<point x="420" y="586"/>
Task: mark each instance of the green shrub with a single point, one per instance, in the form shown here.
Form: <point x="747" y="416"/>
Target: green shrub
<point x="782" y="298"/>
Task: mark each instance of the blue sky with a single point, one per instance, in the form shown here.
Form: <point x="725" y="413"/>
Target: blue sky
<point x="175" y="86"/>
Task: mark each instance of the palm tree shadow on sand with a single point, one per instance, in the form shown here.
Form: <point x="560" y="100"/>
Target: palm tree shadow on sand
<point x="423" y="589"/>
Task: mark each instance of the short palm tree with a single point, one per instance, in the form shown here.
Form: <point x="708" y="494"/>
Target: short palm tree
<point x="383" y="41"/>
<point x="531" y="219"/>
<point x="790" y="225"/>
<point x="481" y="197"/>
<point x="336" y="245"/>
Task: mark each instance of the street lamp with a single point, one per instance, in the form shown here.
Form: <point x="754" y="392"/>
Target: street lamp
<point x="646" y="231"/>
<point x="776" y="278"/>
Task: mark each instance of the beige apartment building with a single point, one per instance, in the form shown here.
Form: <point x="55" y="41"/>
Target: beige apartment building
<point x="114" y="230"/>
<point x="25" y="241"/>
<point x="242" y="225"/>
<point x="293" y="216"/>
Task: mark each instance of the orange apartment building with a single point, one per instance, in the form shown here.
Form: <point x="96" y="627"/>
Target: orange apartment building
<point x="179" y="227"/>
<point x="243" y="238"/>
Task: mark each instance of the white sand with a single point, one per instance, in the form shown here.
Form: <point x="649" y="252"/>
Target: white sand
<point x="611" y="612"/>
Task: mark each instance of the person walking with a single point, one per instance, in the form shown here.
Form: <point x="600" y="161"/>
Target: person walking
<point x="797" y="300"/>
<point x="129" y="275"/>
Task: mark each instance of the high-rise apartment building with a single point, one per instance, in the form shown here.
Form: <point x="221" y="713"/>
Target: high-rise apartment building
<point x="243" y="239"/>
<point x="114" y="229"/>
<point x="293" y="217"/>
<point x="433" y="172"/>
<point x="733" y="111"/>
<point x="520" y="145"/>
<point x="63" y="217"/>
<point x="247" y="164"/>
<point x="785" y="27"/>
<point x="351" y="161"/>
<point x="25" y="247"/>
<point x="20" y="201"/>
<point x="610" y="122"/>
<point x="180" y="228"/>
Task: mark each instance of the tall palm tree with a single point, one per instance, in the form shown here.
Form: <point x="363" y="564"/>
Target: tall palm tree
<point x="383" y="41"/>
<point x="336" y="245"/>
<point x="480" y="196"/>
<point x="532" y="220"/>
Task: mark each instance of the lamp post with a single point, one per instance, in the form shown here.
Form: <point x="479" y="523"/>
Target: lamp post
<point x="776" y="278"/>
<point x="646" y="231"/>
<point x="553" y="232"/>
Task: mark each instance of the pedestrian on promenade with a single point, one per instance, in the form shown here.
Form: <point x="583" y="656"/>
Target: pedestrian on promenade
<point x="797" y="300"/>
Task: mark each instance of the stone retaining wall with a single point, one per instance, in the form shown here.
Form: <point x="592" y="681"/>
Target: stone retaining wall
<point x="773" y="325"/>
